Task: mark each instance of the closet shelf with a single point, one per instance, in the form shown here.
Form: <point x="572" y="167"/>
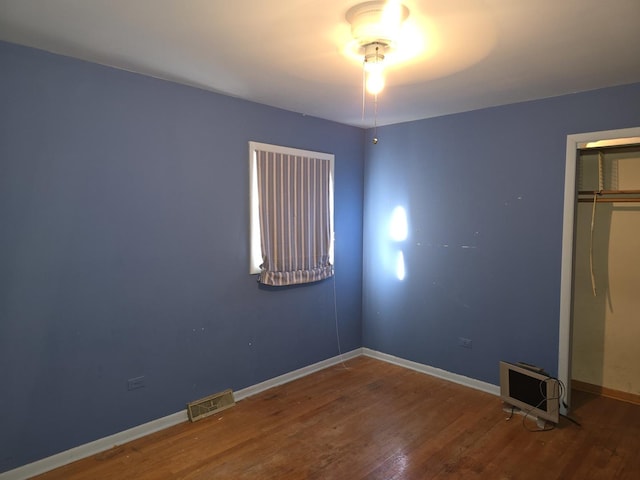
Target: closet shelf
<point x="609" y="192"/>
<point x="610" y="200"/>
<point x="609" y="196"/>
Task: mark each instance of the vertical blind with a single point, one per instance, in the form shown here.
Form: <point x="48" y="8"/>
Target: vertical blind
<point x="295" y="221"/>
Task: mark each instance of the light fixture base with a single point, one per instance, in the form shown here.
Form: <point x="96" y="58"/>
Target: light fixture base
<point x="374" y="52"/>
<point x="376" y="21"/>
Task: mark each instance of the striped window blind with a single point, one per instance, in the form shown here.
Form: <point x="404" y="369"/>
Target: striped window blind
<point x="294" y="203"/>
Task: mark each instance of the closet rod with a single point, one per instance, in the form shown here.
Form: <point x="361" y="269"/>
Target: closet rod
<point x="610" y="200"/>
<point x="609" y="192"/>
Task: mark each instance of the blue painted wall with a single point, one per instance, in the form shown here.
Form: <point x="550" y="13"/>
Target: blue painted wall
<point x="484" y="194"/>
<point x="124" y="251"/>
<point x="123" y="244"/>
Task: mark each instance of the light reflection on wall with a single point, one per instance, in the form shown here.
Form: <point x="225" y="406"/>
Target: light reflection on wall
<point x="399" y="228"/>
<point x="400" y="266"/>
<point x="399" y="231"/>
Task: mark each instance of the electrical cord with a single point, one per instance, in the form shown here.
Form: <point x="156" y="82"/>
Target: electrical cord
<point x="573" y="420"/>
<point x="543" y="393"/>
<point x="510" y="413"/>
<point x="545" y="399"/>
<point x="335" y="316"/>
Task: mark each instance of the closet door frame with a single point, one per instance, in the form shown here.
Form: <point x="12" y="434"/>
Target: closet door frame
<point x="574" y="141"/>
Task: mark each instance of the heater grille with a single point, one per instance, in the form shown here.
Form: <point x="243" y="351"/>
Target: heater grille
<point x="215" y="403"/>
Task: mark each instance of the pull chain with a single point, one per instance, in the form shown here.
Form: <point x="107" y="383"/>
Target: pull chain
<point x="375" y="119"/>
<point x="364" y="82"/>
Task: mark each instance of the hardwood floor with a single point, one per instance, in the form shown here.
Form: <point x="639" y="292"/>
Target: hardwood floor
<point x="605" y="392"/>
<point x="374" y="420"/>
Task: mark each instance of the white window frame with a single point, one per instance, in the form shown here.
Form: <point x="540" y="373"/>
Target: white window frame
<point x="255" y="258"/>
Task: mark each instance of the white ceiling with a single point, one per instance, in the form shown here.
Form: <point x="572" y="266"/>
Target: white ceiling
<point x="287" y="53"/>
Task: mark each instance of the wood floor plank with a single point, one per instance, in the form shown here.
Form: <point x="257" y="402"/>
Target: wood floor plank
<point x="373" y="420"/>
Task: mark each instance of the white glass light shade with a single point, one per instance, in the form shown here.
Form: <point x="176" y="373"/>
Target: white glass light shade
<point x="375" y="81"/>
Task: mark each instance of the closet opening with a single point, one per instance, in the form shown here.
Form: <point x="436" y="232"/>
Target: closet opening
<point x="599" y="282"/>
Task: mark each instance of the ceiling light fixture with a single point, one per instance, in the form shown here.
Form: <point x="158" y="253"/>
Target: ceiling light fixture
<point x="374" y="67"/>
<point x="376" y="29"/>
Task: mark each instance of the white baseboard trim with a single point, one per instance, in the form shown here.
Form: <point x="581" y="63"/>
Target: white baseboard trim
<point x="102" y="444"/>
<point x="294" y="375"/>
<point x="434" y="372"/>
<point x="91" y="448"/>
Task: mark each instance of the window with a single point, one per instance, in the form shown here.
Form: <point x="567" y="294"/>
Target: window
<point x="291" y="214"/>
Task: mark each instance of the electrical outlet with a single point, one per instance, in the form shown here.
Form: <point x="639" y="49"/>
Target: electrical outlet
<point x="134" y="383"/>
<point x="465" y="342"/>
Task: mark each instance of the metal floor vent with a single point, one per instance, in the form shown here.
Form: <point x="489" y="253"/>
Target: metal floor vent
<point x="215" y="403"/>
